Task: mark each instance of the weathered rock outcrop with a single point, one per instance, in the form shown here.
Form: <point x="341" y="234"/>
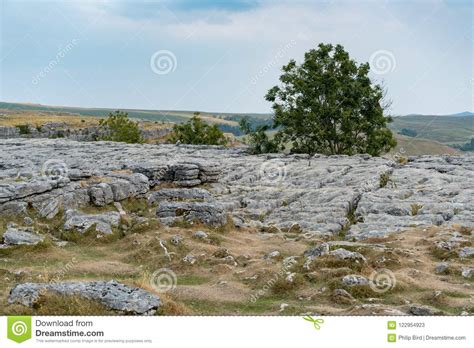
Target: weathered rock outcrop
<point x="212" y="214"/>
<point x="82" y="222"/>
<point x="111" y="294"/>
<point x="21" y="236"/>
<point x="360" y="196"/>
<point x="54" y="130"/>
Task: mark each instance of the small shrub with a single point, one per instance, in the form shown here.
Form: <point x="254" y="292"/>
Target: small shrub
<point x="197" y="132"/>
<point x="118" y="127"/>
<point x="402" y="160"/>
<point x="415" y="209"/>
<point x="23" y="128"/>
<point x="385" y="179"/>
<point x="258" y="139"/>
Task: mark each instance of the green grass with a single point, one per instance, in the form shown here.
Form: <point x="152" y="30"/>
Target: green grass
<point x="191" y="279"/>
<point x="269" y="304"/>
<point x="444" y="129"/>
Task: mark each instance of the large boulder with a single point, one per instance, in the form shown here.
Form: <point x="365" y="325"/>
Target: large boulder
<point x="111" y="294"/>
<point x="212" y="214"/>
<point x="81" y="222"/>
<point x="101" y="194"/>
<point x="128" y="186"/>
<point x="19" y="236"/>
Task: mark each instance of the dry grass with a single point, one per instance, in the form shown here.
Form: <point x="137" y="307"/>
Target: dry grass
<point x="39" y="118"/>
<point x="55" y="304"/>
<point x="212" y="286"/>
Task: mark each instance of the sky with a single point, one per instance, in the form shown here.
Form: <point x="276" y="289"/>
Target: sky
<point x="223" y="56"/>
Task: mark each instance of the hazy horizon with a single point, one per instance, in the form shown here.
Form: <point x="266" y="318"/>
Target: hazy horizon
<point x="455" y="114"/>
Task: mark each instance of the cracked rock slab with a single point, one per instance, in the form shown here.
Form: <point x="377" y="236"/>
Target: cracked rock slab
<point x="111" y="294"/>
<point x="212" y="214"/>
<point x="19" y="236"/>
<point x="81" y="222"/>
<point x="321" y="196"/>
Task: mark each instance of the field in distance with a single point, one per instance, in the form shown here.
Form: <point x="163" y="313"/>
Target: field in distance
<point x="434" y="134"/>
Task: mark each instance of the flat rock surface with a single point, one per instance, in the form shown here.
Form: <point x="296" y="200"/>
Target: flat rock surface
<point x="317" y="196"/>
<point x="222" y="232"/>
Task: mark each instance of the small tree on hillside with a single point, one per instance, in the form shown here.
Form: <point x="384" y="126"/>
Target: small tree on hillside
<point x="197" y="132"/>
<point x="328" y="105"/>
<point x="118" y="127"/>
<point x="258" y="139"/>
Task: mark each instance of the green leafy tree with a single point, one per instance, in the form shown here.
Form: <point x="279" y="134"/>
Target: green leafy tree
<point x="197" y="132"/>
<point x="258" y="138"/>
<point x="328" y="105"/>
<point x="118" y="127"/>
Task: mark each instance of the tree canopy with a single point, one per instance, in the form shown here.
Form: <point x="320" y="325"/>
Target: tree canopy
<point x="328" y="105"/>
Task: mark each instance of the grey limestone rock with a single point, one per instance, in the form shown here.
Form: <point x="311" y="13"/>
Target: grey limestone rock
<point x="20" y="236"/>
<point x="212" y="214"/>
<point x="111" y="294"/>
<point x="81" y="222"/>
<point x="354" y="279"/>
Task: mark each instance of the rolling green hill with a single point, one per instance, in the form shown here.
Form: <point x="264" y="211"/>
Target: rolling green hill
<point x="443" y="129"/>
<point x="408" y="146"/>
<point x="173" y="116"/>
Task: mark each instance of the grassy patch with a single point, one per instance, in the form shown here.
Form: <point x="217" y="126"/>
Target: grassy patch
<point x="329" y="261"/>
<point x="40" y="248"/>
<point x="283" y="287"/>
<point x="442" y="254"/>
<point x="90" y="236"/>
<point x="55" y="304"/>
<point x="260" y="306"/>
<point x="191" y="279"/>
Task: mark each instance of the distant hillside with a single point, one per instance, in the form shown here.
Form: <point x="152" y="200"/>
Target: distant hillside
<point x="408" y="146"/>
<point x="456" y="129"/>
<point x="464" y="113"/>
<point x="174" y="116"/>
<point x="444" y="129"/>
